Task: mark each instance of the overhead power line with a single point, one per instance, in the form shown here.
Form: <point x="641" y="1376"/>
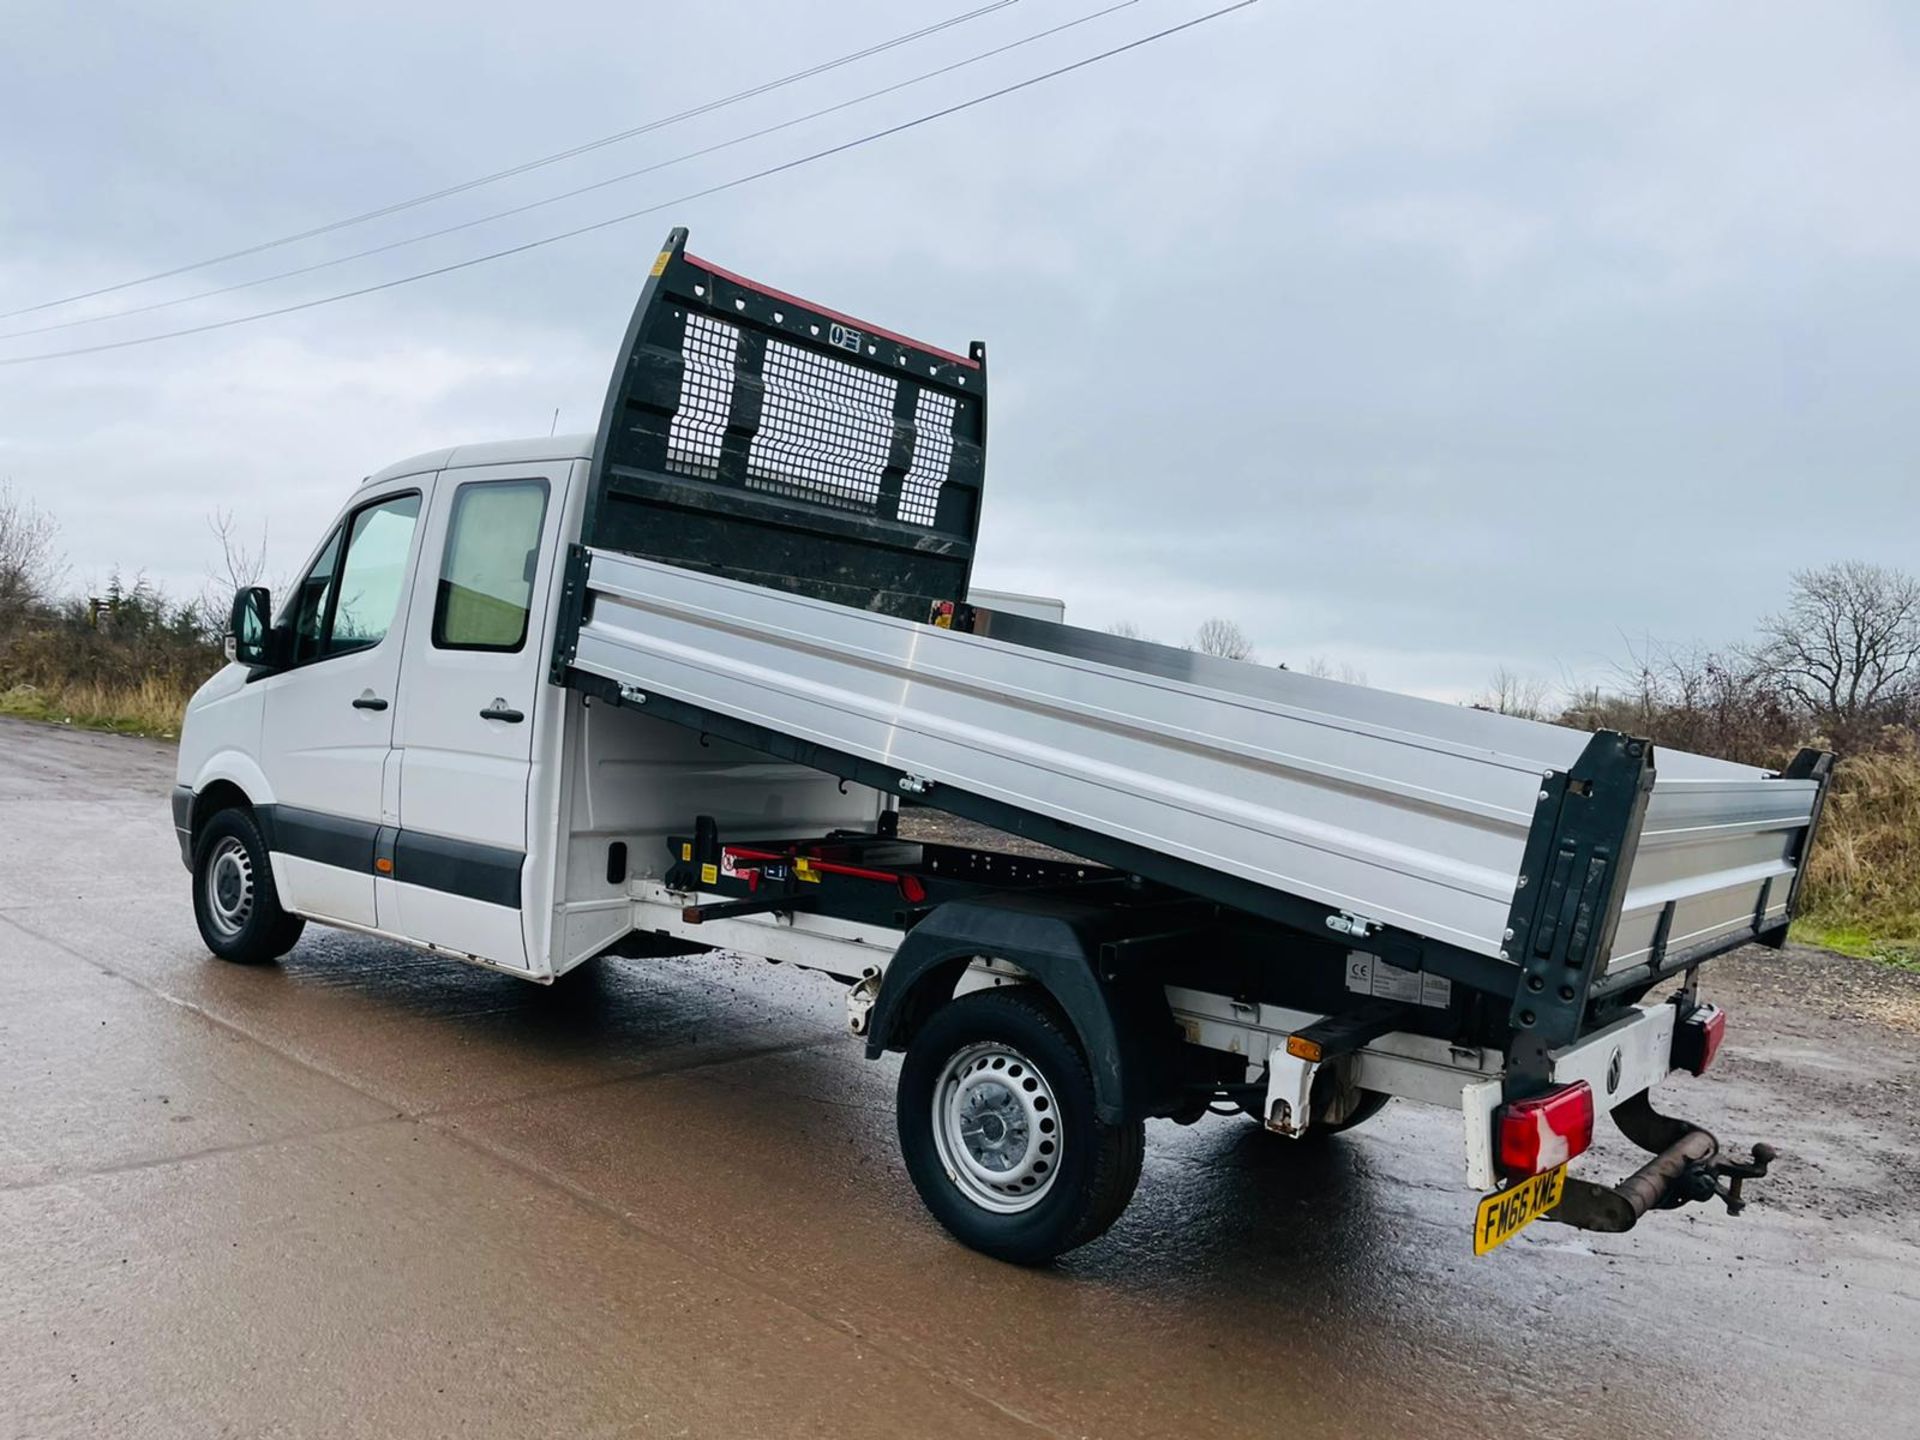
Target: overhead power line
<point x="578" y="191"/>
<point x="706" y="107"/>
<point x="688" y="198"/>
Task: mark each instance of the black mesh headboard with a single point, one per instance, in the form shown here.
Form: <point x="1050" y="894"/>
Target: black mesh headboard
<point x="754" y="435"/>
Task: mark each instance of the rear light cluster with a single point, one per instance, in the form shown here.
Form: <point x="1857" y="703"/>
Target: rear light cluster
<point x="1533" y="1136"/>
<point x="1696" y="1039"/>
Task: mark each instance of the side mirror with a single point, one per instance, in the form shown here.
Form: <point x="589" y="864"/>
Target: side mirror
<point x="249" y="631"/>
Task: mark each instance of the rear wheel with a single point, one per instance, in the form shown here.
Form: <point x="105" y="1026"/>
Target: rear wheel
<point x="999" y="1132"/>
<point x="234" y="900"/>
<point x="1362" y="1107"/>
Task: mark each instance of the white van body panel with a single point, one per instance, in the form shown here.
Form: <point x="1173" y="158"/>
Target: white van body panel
<point x="325" y="748"/>
<point x="467" y="731"/>
<point x="221" y="741"/>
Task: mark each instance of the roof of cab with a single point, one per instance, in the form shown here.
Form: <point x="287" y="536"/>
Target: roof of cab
<point x="492" y="452"/>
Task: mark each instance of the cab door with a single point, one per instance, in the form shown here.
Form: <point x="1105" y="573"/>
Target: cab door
<point x="464" y="742"/>
<point x="328" y="717"/>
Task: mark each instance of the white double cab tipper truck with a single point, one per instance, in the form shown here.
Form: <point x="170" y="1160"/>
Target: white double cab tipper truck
<point x="661" y="690"/>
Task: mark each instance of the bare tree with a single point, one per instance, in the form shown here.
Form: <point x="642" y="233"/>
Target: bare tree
<point x="1848" y="644"/>
<point x="240" y="564"/>
<point x="1126" y="630"/>
<point x="1222" y="638"/>
<point x="1714" y="702"/>
<point x="1510" y="694"/>
<point x="28" y="569"/>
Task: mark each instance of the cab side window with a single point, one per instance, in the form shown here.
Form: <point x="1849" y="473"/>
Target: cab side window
<point x="486" y="575"/>
<point x="347" y="600"/>
<point x="378" y="542"/>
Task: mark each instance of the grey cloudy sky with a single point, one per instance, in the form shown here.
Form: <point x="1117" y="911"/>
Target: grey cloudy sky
<point x="1423" y="338"/>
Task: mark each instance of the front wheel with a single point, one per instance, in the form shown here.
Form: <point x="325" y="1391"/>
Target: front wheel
<point x="999" y="1131"/>
<point x="234" y="899"/>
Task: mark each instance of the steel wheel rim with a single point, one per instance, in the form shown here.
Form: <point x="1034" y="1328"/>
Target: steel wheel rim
<point x="996" y="1126"/>
<point x="229" y="887"/>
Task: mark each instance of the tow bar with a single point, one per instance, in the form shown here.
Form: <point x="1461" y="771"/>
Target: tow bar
<point x="1686" y="1167"/>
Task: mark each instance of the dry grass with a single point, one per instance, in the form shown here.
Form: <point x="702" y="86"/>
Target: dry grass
<point x="1863" y="887"/>
<point x="151" y="706"/>
<point x="133" y="675"/>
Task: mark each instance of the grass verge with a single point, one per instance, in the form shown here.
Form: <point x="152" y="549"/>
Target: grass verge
<point x="1860" y="943"/>
<point x="151" y="708"/>
<point x="1862" y="893"/>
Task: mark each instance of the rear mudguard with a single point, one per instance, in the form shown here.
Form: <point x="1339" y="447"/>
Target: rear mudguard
<point x="1123" y="1024"/>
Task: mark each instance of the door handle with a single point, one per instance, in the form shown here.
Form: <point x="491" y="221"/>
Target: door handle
<point x="500" y="710"/>
<point x="369" y="701"/>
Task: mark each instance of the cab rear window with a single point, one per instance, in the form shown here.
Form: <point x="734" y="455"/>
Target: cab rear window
<point x="486" y="574"/>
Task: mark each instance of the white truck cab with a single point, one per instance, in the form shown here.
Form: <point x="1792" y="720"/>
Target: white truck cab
<point x="411" y="771"/>
<point x="403" y="721"/>
<point x="659" y="690"/>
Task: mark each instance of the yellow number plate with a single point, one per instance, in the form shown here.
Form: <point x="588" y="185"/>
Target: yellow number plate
<point x="1505" y="1213"/>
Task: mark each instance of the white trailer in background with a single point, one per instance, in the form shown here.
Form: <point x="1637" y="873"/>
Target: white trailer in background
<point x="659" y="690"/>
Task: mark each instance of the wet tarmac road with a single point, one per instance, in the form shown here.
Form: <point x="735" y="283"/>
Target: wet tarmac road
<point x="369" y="1192"/>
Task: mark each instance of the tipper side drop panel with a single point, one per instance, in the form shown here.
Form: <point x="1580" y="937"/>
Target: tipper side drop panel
<point x="760" y="437"/>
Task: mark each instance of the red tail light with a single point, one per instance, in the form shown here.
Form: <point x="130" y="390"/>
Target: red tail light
<point x="1696" y="1039"/>
<point x="1535" y="1135"/>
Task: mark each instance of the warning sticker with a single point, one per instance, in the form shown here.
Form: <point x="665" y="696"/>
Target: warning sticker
<point x="709" y="874"/>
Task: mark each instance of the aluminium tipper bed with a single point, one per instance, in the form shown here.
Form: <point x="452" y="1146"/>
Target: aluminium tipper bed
<point x="780" y="531"/>
<point x="1406" y="813"/>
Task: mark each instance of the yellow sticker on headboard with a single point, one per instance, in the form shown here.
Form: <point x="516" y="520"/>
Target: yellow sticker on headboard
<point x="660" y="262"/>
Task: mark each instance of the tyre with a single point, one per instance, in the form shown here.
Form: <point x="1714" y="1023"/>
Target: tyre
<point x="998" y="1129"/>
<point x="233" y="896"/>
<point x="1362" y="1107"/>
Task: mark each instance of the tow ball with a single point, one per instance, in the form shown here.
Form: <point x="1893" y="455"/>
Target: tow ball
<point x="1723" y="1178"/>
<point x="1686" y="1167"/>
